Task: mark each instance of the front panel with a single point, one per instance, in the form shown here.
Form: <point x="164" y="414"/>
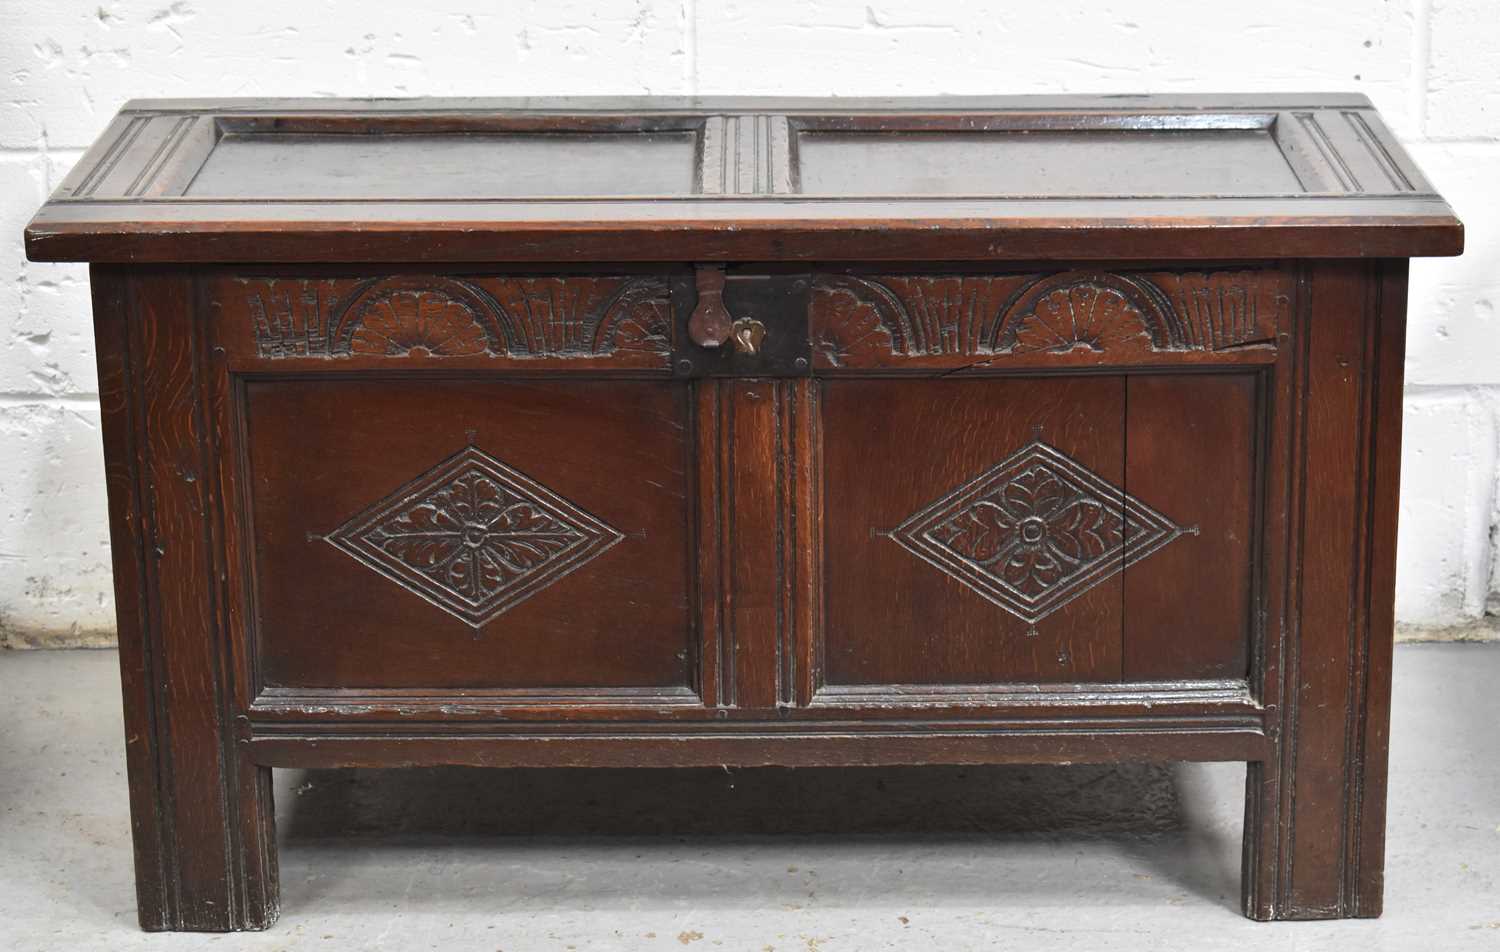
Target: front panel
<point x="463" y="488"/>
<point x="469" y="532"/>
<point x="1025" y="530"/>
<point x="972" y="530"/>
<point x="515" y="486"/>
<point x="1044" y="478"/>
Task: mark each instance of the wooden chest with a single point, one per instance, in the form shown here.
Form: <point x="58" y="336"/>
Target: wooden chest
<point x="731" y="431"/>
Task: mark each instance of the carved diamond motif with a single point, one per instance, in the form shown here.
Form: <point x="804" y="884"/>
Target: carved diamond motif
<point x="474" y="537"/>
<point x="1035" y="532"/>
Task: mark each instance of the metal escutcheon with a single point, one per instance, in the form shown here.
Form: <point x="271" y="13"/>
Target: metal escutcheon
<point x="747" y="334"/>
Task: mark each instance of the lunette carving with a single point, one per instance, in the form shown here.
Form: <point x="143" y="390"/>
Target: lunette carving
<point x="515" y="317"/>
<point x="981" y="315"/>
<point x="394" y="321"/>
<point x="1094" y="311"/>
<point x="1035" y="532"/>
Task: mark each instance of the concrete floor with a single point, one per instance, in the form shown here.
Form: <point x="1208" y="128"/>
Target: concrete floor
<point x="1116" y="858"/>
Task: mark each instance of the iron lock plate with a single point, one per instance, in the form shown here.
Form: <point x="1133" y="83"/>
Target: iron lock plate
<point x="777" y="301"/>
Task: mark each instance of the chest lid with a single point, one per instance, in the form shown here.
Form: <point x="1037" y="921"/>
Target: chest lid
<point x="658" y="179"/>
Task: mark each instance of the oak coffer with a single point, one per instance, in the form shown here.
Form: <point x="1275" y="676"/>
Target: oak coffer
<point x="747" y="431"/>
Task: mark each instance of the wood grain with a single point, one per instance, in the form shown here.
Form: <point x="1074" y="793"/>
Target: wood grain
<point x="1081" y="318"/>
<point x="745" y="179"/>
<point x="462" y="321"/>
<point x="1190" y="448"/>
<point x="1315" y="814"/>
<point x="892" y="617"/>
<point x="611" y="450"/>
<point x="203" y="816"/>
<point x="1018" y="473"/>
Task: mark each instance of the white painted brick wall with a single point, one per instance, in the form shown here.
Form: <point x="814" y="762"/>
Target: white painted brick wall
<point x="1433" y="67"/>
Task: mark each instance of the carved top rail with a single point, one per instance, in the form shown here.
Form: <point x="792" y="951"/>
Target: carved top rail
<point x="609" y="321"/>
<point x="914" y="321"/>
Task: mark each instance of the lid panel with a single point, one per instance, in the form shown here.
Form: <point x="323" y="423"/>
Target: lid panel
<point x="1044" y="163"/>
<point x="450" y="165"/>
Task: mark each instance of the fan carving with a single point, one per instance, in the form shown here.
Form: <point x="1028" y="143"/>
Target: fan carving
<point x="414" y="321"/>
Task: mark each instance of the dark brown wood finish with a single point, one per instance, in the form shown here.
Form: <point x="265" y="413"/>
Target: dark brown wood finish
<point x="1043" y="320"/>
<point x="1315" y="815"/>
<point x="944" y="553"/>
<point x="200" y="807"/>
<point x="547" y="596"/>
<point x="1190" y="449"/>
<point x="726" y="179"/>
<point x="1010" y="430"/>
